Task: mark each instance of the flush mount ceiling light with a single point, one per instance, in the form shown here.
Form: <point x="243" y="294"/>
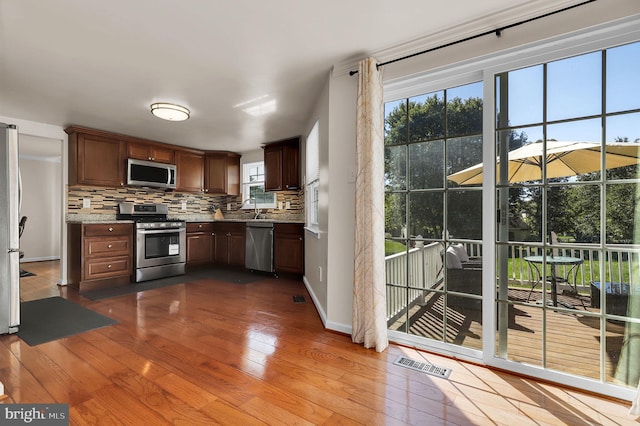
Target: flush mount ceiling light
<point x="171" y="112"/>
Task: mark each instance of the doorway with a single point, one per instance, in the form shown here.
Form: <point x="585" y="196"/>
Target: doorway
<point x="40" y="160"/>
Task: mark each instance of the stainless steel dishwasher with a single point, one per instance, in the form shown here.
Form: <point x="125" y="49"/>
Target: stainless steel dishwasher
<point x="259" y="246"/>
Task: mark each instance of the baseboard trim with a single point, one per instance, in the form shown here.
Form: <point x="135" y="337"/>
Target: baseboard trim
<point x="38" y="259"/>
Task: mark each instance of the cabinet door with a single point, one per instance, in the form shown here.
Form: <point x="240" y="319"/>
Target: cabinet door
<point x="100" y="161"/>
<point x="233" y="174"/>
<point x="273" y="168"/>
<point x="216" y="174"/>
<point x="150" y="152"/>
<point x="236" y="249"/>
<point x="190" y="167"/>
<point x="162" y="154"/>
<point x="288" y="248"/>
<point x="290" y="166"/>
<point x="139" y="151"/>
<point x="221" y="249"/>
<point x="198" y="248"/>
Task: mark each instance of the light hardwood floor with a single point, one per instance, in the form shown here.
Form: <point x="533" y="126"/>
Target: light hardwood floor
<point x="211" y="352"/>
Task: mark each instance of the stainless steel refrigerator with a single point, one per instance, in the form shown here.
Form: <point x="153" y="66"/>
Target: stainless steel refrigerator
<point x="9" y="240"/>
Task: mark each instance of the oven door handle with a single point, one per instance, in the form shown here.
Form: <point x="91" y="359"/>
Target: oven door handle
<point x="161" y="231"/>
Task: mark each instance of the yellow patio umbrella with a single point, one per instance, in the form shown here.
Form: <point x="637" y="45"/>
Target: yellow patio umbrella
<point x="562" y="159"/>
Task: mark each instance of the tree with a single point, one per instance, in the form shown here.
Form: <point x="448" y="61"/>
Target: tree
<point x="424" y="142"/>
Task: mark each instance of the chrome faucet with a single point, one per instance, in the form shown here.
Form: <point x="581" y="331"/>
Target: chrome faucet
<point x="256" y="210"/>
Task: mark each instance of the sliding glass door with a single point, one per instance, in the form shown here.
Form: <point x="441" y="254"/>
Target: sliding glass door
<point x="433" y="225"/>
<point x="567" y="143"/>
<point x="545" y="279"/>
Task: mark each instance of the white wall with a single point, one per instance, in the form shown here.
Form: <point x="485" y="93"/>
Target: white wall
<point x="316" y="243"/>
<point x="41" y="203"/>
<point x="341" y="201"/>
<point x="340" y="162"/>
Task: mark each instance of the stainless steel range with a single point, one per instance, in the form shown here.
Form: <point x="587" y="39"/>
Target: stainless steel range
<point x="161" y="244"/>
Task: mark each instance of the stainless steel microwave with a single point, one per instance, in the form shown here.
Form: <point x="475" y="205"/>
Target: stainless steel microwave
<point x="148" y="173"/>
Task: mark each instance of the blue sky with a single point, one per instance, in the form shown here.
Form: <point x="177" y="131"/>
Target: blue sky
<point x="574" y="89"/>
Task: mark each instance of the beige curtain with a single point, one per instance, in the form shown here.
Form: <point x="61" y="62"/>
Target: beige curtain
<point x="369" y="293"/>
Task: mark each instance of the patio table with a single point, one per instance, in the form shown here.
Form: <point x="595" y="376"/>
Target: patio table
<point x="536" y="263"/>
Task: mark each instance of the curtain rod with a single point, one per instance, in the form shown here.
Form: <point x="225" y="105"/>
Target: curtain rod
<point x="497" y="32"/>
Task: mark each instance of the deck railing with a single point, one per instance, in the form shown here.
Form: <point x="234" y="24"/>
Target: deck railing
<point x="410" y="273"/>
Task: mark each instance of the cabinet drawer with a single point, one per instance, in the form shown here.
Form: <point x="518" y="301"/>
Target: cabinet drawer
<point x="107" y="229"/>
<point x="107" y="267"/>
<point x="288" y="228"/>
<point x="107" y="247"/>
<point x="237" y="228"/>
<point x="200" y="227"/>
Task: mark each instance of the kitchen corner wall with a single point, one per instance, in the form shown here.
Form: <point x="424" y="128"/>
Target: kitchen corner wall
<point x="104" y="203"/>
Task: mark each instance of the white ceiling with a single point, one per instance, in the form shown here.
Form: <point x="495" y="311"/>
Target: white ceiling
<point x="100" y="64"/>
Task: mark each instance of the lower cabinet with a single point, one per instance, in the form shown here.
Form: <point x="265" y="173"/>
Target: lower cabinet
<point x="200" y="243"/>
<point x="229" y="243"/>
<point x="223" y="243"/>
<point x="288" y="248"/>
<point x="99" y="254"/>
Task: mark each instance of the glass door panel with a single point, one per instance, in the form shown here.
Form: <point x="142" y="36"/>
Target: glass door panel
<point x="567" y="248"/>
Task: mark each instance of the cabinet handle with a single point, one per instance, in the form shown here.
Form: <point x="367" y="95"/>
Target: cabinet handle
<point x="149" y="158"/>
<point x="228" y="234"/>
<point x="110" y="229"/>
<point x="300" y="238"/>
<point x="109" y="266"/>
<point x="199" y="226"/>
<point x="109" y="246"/>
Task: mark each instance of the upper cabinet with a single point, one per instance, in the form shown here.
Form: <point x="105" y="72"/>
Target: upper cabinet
<point x="222" y="173"/>
<point x="95" y="158"/>
<point x="99" y="158"/>
<point x="282" y="165"/>
<point x="150" y="152"/>
<point x="190" y="166"/>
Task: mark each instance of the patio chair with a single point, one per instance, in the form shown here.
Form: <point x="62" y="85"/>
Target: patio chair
<point x="463" y="277"/>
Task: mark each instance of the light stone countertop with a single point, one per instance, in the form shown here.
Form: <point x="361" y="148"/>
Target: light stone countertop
<point x="110" y="218"/>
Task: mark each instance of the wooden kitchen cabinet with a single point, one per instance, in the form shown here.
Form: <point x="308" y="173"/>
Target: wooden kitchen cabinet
<point x="288" y="248"/>
<point x="190" y="170"/>
<point x="229" y="243"/>
<point x="200" y="243"/>
<point x="222" y="173"/>
<point x="95" y="158"/>
<point x="150" y="152"/>
<point x="100" y="254"/>
<point x="282" y="165"/>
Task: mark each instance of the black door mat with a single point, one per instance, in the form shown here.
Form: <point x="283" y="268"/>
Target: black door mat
<point x="53" y="318"/>
<point x="236" y="276"/>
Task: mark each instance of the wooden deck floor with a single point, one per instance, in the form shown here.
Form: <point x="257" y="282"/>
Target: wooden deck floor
<point x="572" y="339"/>
<point x="211" y="352"/>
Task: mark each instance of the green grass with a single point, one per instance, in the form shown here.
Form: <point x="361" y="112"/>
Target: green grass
<point x="393" y="247"/>
<point x="521" y="266"/>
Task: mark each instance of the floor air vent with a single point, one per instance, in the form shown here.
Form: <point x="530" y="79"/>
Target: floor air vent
<point x="424" y="367"/>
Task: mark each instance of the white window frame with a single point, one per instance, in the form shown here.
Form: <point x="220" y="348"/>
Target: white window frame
<point x="247" y="184"/>
<point x="312" y="174"/>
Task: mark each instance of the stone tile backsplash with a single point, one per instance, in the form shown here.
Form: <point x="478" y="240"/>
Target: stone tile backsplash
<point x="104" y="203"/>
